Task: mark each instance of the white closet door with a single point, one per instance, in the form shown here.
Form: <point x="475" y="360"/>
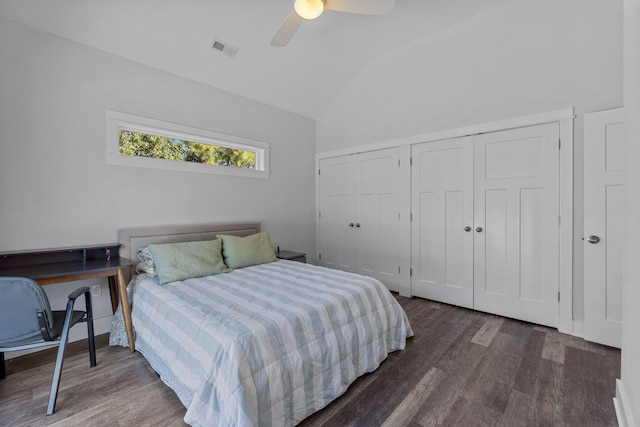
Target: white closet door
<point x="336" y="240"/>
<point x="604" y="219"/>
<point x="516" y="203"/>
<point x="377" y="217"/>
<point x="442" y="206"/>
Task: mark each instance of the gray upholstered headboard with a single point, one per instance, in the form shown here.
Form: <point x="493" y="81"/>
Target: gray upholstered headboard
<point x="134" y="238"/>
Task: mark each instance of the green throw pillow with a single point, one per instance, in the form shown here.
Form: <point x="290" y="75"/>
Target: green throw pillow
<point x="245" y="251"/>
<point x="180" y="261"/>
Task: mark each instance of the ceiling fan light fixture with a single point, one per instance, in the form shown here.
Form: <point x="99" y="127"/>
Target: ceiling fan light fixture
<point x="308" y="9"/>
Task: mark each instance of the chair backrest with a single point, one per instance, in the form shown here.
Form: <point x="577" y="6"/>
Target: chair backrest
<point x="20" y="301"/>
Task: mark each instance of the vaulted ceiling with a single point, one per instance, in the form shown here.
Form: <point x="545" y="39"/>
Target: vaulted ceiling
<point x="176" y="36"/>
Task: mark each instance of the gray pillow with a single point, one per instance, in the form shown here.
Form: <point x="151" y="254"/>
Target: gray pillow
<point x="180" y="261"/>
<point x="146" y="264"/>
<point x="246" y="251"/>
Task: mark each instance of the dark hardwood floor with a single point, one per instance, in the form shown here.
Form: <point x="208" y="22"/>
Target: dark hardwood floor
<point x="462" y="368"/>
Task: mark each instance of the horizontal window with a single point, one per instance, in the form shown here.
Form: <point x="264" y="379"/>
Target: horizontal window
<point x="143" y="142"/>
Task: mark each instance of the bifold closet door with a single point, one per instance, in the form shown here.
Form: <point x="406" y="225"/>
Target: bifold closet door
<point x="516" y="229"/>
<point x="441" y="230"/>
<point x="359" y="214"/>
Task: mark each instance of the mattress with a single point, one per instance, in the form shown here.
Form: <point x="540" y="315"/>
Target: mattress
<point x="266" y="345"/>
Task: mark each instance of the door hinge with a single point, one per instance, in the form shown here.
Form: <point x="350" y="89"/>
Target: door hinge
<point x="558" y="296"/>
<point x="398" y="162"/>
<point x="319" y="214"/>
<point x="559" y="220"/>
<point x="410" y="161"/>
<point x="411" y="272"/>
<point x="318" y="171"/>
<point x="319" y="256"/>
<point x="559" y="144"/>
<point x="411" y="216"/>
<point x="398" y="269"/>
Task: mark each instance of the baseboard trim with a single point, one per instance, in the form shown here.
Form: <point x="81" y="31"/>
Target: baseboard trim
<point x="623" y="406"/>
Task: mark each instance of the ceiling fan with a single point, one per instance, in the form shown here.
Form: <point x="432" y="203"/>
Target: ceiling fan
<point x="311" y="9"/>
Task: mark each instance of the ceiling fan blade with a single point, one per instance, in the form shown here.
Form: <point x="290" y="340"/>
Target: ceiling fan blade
<point x="287" y="30"/>
<point x="364" y="7"/>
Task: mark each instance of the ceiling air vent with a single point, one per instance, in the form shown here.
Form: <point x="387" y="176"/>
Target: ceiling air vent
<point x="224" y="48"/>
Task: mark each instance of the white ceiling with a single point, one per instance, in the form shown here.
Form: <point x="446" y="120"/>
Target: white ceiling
<point x="303" y="77"/>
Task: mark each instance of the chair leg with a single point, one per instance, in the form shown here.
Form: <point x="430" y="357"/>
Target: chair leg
<point x="90" y="335"/>
<point x="62" y="346"/>
<point x="92" y="344"/>
<point x="3" y="372"/>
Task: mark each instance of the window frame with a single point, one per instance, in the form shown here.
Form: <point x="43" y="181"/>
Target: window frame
<point x="117" y="121"/>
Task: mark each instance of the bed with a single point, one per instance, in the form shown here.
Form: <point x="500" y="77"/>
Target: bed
<point x="266" y="344"/>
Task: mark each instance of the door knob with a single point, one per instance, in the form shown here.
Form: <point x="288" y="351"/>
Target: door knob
<point x="467" y="229"/>
<point x="593" y="239"/>
<point x="357" y="224"/>
<point x="479" y="229"/>
<point x="350" y="224"/>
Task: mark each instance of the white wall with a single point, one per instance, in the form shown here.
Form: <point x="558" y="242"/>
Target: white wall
<point x="628" y="390"/>
<point x="56" y="188"/>
<point x="520" y="58"/>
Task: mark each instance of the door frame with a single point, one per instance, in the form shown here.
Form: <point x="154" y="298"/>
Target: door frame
<point x="565" y="118"/>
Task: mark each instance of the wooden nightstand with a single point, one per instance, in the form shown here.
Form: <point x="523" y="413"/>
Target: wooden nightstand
<point x="292" y="256"/>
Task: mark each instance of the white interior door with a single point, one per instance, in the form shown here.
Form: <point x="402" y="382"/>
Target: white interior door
<point x="442" y="206"/>
<point x="516" y="203"/>
<point x="377" y="217"/>
<point x="337" y="210"/>
<point x="604" y="219"/>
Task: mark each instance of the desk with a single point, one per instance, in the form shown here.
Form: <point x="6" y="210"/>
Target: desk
<point x="49" y="266"/>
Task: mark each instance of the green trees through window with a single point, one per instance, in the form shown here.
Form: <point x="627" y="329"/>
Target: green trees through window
<point x="161" y="147"/>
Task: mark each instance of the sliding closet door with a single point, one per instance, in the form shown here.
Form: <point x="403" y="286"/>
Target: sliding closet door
<point x="377" y="220"/>
<point x="336" y="240"/>
<point x="441" y="230"/>
<point x="516" y="203"/>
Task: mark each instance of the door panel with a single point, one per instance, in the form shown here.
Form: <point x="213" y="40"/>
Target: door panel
<point x="442" y="197"/>
<point x="454" y="276"/>
<point x="531" y="248"/>
<point x="509" y="158"/>
<point x="615" y="212"/>
<point x="426" y="254"/>
<point x="516" y="204"/>
<point x="604" y="205"/>
<point x="495" y="243"/>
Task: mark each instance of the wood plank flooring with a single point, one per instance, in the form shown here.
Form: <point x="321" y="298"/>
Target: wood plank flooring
<point x="462" y="368"/>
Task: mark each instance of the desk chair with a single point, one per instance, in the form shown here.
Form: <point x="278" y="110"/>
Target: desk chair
<point x="27" y="321"/>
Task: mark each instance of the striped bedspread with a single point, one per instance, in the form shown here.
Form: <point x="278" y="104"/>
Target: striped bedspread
<point x="266" y="345"/>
